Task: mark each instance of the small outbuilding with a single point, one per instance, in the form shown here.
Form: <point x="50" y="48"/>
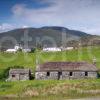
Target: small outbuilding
<point x="19" y="74"/>
<point x="51" y="49"/>
<point x="66" y="70"/>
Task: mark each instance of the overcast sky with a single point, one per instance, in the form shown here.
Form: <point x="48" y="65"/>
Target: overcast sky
<point x="83" y="15"/>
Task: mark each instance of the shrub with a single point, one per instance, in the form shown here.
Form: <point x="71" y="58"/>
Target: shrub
<point x="32" y="50"/>
<point x="4" y="73"/>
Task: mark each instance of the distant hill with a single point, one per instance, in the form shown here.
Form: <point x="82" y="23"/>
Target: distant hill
<point x="46" y="34"/>
<point x="68" y="31"/>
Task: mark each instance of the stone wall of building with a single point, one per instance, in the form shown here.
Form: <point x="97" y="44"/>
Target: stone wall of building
<point x="78" y="75"/>
<point x="24" y="77"/>
<point x="92" y="74"/>
<point x="14" y="77"/>
<point x="53" y="75"/>
<point x="65" y="75"/>
<point x="41" y="75"/>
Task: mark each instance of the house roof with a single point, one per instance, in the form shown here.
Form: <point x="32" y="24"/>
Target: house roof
<point x="19" y="71"/>
<point x="67" y="66"/>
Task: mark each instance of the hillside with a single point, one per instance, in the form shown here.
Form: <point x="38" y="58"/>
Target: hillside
<point x="29" y="59"/>
<point x="54" y="33"/>
<point x="50" y="89"/>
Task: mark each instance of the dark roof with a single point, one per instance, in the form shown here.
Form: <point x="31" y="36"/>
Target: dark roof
<point x="19" y="71"/>
<point x="66" y="66"/>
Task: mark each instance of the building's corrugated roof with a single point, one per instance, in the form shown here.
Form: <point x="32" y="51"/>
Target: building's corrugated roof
<point x="19" y="71"/>
<point x="66" y="66"/>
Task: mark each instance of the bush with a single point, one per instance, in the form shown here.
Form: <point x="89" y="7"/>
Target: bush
<point x="19" y="50"/>
<point x="32" y="50"/>
<point x="4" y="73"/>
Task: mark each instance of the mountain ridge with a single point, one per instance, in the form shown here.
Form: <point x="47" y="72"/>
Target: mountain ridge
<point x="52" y="32"/>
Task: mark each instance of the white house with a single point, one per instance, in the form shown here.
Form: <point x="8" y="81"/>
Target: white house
<point x="51" y="49"/>
<point x="16" y="48"/>
<point x="11" y="50"/>
<point x="69" y="48"/>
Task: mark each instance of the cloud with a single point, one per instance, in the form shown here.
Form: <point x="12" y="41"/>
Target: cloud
<point x="68" y="13"/>
<point x="25" y="26"/>
<point x="6" y="27"/>
<point x="37" y="16"/>
<point x="93" y="30"/>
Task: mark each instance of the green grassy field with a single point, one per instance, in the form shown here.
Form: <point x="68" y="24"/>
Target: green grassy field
<point x="51" y="89"/>
<point x="29" y="59"/>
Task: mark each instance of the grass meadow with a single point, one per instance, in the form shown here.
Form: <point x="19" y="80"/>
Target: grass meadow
<point x="49" y="89"/>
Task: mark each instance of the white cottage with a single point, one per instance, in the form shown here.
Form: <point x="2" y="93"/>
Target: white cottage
<point x="16" y="48"/>
<point x="11" y="50"/>
<point x="51" y="49"/>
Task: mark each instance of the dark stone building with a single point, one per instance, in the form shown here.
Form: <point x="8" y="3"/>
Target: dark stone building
<point x="65" y="70"/>
<point x="19" y="74"/>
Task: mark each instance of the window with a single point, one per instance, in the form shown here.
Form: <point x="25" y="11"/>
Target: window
<point x="71" y="73"/>
<point x="86" y="73"/>
<point x="13" y="75"/>
<point x="48" y="73"/>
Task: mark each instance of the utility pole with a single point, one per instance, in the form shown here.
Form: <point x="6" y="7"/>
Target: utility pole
<point x="94" y="60"/>
<point x="37" y="60"/>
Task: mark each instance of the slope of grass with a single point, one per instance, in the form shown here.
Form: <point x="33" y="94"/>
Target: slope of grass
<point x="29" y="59"/>
<point x="52" y="89"/>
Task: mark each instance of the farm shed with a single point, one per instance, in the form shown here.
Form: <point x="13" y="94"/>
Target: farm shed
<point x="19" y="74"/>
<point x="66" y="70"/>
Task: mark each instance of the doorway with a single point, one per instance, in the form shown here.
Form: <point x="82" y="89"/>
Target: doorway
<point x="59" y="75"/>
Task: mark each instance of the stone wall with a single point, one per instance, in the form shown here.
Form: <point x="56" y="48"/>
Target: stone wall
<point x="24" y="77"/>
<point x="65" y="75"/>
<point x="11" y="78"/>
<point x="41" y="75"/>
<point x="53" y="75"/>
<point x="18" y="77"/>
<point x="92" y="74"/>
